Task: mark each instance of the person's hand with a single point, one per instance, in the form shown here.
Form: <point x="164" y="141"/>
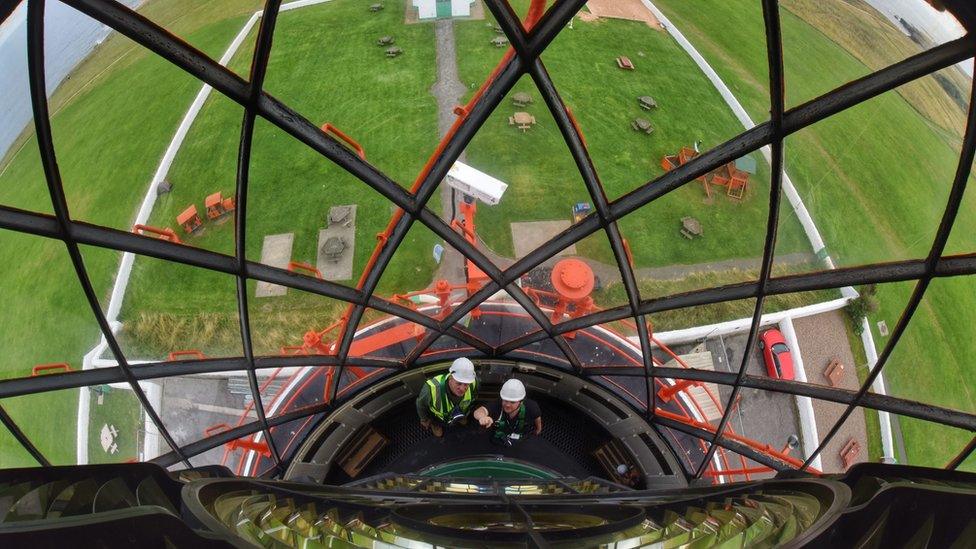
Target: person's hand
<point x="425" y="424"/>
<point x="437" y="430"/>
<point x="485" y="421"/>
<point x="538" y="431"/>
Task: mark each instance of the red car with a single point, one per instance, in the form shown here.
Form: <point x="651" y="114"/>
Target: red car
<point x="779" y="361"/>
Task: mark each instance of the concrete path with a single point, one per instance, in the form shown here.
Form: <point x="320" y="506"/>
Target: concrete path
<point x="449" y="92"/>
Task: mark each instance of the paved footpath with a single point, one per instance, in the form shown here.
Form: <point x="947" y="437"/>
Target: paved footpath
<point x="449" y="92"/>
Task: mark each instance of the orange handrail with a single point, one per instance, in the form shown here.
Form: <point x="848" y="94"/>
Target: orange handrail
<point x="175" y="355"/>
<point x="295" y="266"/>
<point x="214" y="429"/>
<point x="63" y="366"/>
<point x="330" y="129"/>
<point x="163" y="234"/>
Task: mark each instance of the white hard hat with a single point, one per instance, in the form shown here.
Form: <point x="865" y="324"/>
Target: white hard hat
<point x="462" y="370"/>
<point x="622" y="469"/>
<point x="513" y="390"/>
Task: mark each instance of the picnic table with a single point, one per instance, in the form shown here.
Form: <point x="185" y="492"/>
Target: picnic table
<point x="499" y="41"/>
<point x="647" y="102"/>
<point x="522" y="119"/>
<point x="333" y="247"/>
<point x="690" y="227"/>
<point x="375" y="7"/>
<point x="393" y="52"/>
<point x="642" y="125"/>
<point x="385" y="41"/>
<point x="106" y="437"/>
<point x="521" y="99"/>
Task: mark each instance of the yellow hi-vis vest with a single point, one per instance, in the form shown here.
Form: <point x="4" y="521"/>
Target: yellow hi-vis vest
<point x="440" y="403"/>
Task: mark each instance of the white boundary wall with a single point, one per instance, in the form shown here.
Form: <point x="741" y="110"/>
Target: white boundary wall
<point x="91" y="359"/>
<point x="809" y="227"/>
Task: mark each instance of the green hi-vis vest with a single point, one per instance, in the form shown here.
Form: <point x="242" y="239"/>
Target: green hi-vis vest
<point x="440" y="405"/>
<point x="505" y="426"/>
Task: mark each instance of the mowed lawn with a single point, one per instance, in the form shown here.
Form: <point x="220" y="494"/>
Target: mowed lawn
<point x="325" y="64"/>
<point x="875" y="179"/>
<point x="107" y="149"/>
<point x="544" y="181"/>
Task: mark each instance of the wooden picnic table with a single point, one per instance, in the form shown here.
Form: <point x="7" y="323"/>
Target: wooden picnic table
<point x="690" y="227"/>
<point x="521" y="99"/>
<point x="642" y="125"/>
<point x="522" y="119"/>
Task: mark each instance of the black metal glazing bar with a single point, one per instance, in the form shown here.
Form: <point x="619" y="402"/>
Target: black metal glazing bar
<point x="23" y="439"/>
<point x="259" y="67"/>
<point x="574" y="141"/>
<point x="943" y="268"/>
<point x="159" y="40"/>
<point x="956" y="193"/>
<point x="794" y="120"/>
<point x="105" y="237"/>
<point x="962" y="456"/>
<point x="45" y="144"/>
<point x="736" y="447"/>
<point x="493" y="95"/>
<point x="774" y="52"/>
<point x="47" y="226"/>
<point x="223" y="437"/>
<point x="101" y="376"/>
<point x="146" y="33"/>
<point x="897" y="271"/>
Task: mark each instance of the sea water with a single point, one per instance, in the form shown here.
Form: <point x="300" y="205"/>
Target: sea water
<point x="69" y="36"/>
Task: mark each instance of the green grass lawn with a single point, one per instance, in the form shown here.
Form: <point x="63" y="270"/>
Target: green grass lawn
<point x="105" y="169"/>
<point x="869" y="201"/>
<point x="384" y="103"/>
<point x="544" y="181"/>
<point x="875" y="179"/>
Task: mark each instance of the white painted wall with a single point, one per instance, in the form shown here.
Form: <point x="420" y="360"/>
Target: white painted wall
<point x="427" y="9"/>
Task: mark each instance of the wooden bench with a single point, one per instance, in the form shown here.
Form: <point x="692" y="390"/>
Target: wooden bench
<point x="834" y="372"/>
<point x="357" y="455"/>
<point x="625" y="63"/>
<point x="609" y="456"/>
<point x="849" y="453"/>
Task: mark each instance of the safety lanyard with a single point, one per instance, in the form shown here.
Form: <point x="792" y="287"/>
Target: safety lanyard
<point x="502" y="423"/>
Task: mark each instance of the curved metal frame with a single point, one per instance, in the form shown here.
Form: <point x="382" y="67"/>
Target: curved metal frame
<point x="525" y="59"/>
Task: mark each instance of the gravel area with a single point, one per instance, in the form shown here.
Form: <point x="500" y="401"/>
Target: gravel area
<point x="821" y="338"/>
<point x="624" y="9"/>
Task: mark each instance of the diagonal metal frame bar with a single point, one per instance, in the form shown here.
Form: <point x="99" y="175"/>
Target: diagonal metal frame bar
<point x="774" y="54"/>
<point x="751" y="140"/>
<point x="896" y="271"/>
<point x="199" y="65"/>
<point x="259" y="68"/>
<point x="100" y="376"/>
<point x="953" y="203"/>
<point x="494" y="93"/>
<point x="23" y="439"/>
<point x="728" y="444"/>
<point x="52" y="175"/>
<point x="963" y="455"/>
<point x="104" y="237"/>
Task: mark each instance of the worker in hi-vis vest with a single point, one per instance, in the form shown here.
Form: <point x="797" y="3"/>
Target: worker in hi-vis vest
<point x="445" y="400"/>
<point x="510" y="417"/>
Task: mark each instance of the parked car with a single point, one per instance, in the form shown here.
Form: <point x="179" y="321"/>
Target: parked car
<point x="779" y="360"/>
